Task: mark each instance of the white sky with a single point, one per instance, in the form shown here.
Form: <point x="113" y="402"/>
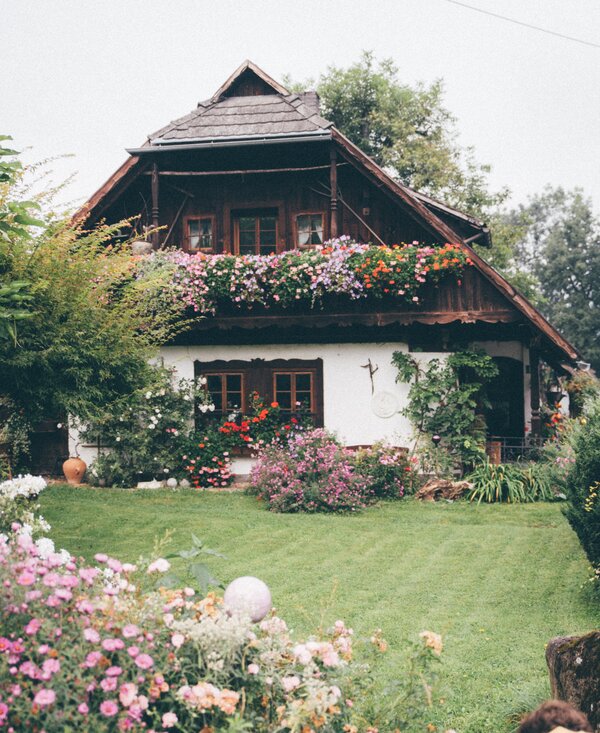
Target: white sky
<point x="91" y="77"/>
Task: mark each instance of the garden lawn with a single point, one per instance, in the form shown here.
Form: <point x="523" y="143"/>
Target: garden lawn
<point x="497" y="581"/>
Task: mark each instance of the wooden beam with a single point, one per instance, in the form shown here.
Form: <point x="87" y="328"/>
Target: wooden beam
<point x="246" y="172"/>
<point x="155" y="234"/>
<point x="534" y="368"/>
<point x="333" y="214"/>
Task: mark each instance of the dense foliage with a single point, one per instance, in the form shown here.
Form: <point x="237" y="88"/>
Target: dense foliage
<point x="512" y="483"/>
<point x="309" y="279"/>
<point x="406" y="129"/>
<point x="390" y="472"/>
<point x="582" y="483"/>
<point x="444" y="399"/>
<point x="77" y="328"/>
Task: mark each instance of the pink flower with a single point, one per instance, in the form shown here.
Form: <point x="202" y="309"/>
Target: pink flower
<point x="100" y="557"/>
<point x="144" y="661"/>
<point x="91" y="635"/>
<point x="33" y="626"/>
<point x="26" y="578"/>
<point x="177" y="640"/>
<point x="113" y="645"/>
<point x="130" y="631"/>
<point x="4" y="712"/>
<point x="50" y="667"/>
<point x="92" y="659"/>
<point x="83" y="709"/>
<point x="108" y="708"/>
<point x="44" y="697"/>
<point x="127" y="694"/>
<point x="113" y="671"/>
<point x="159" y="566"/>
<point x="109" y="684"/>
<point x="253" y="668"/>
<point x="169" y="720"/>
<point x="133" y="651"/>
<point x="114" y="565"/>
<point x="88" y="574"/>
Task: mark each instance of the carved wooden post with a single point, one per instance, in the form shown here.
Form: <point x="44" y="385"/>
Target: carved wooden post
<point x="534" y="368"/>
<point x="333" y="223"/>
<point x="155" y="238"/>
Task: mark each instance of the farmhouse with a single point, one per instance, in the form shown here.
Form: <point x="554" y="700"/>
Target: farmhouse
<point x="256" y="170"/>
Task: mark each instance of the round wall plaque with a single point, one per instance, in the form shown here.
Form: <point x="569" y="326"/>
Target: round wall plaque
<point x="384" y="404"/>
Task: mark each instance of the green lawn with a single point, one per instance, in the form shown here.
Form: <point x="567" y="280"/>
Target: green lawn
<point x="496" y="581"/>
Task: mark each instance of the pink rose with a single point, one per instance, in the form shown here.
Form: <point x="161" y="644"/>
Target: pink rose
<point x="83" y="709"/>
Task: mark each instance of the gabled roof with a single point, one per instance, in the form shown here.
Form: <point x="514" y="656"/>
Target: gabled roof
<point x="264" y="115"/>
<point x="249" y="104"/>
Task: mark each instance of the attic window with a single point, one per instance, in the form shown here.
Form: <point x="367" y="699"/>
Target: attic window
<point x="199" y="234"/>
<point x="309" y="229"/>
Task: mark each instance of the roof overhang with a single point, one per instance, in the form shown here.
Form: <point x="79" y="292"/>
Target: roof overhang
<point x="160" y="146"/>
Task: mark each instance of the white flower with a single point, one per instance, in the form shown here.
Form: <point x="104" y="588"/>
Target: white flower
<point x="148" y="395"/>
<point x="211" y="408"/>
<point x="118" y="438"/>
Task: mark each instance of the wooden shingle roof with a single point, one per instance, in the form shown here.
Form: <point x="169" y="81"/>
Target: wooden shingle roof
<point x="252" y="116"/>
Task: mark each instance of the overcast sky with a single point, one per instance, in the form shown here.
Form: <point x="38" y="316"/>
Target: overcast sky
<point x="91" y="77"/>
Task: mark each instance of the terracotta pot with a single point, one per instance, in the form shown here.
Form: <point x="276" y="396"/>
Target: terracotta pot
<point x="74" y="470"/>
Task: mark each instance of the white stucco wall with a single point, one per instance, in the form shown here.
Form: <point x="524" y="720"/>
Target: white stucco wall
<point x="347" y="395"/>
<point x="347" y="390"/>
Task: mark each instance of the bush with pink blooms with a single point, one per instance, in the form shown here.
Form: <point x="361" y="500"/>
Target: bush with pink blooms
<point x="100" y="648"/>
<point x="312" y="473"/>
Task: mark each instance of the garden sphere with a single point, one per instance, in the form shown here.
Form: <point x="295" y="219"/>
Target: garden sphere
<point x="248" y="595"/>
<point x="172" y="483"/>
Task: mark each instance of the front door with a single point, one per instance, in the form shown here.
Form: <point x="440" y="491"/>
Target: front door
<point x="505" y="417"/>
<point x="255" y="232"/>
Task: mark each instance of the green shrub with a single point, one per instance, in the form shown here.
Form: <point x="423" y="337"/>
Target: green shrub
<point x="510" y="483"/>
<point x="583" y="508"/>
<point x="390" y="472"/>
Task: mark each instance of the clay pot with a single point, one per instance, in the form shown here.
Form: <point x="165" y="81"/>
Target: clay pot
<point x="74" y="470"/>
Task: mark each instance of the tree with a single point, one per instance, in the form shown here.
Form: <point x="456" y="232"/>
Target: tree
<point x="86" y="325"/>
<point x="562" y="249"/>
<point x="407" y="130"/>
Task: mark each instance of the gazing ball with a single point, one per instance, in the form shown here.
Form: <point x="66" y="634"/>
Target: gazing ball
<point x="172" y="483"/>
<point x="250" y="596"/>
<point x="184" y="483"/>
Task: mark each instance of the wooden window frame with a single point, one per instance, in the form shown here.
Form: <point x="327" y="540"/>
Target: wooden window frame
<point x="227" y="411"/>
<point x="293" y="401"/>
<point x="258" y="375"/>
<point x="296" y="229"/>
<point x="256" y="211"/>
<point x="186" y="235"/>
